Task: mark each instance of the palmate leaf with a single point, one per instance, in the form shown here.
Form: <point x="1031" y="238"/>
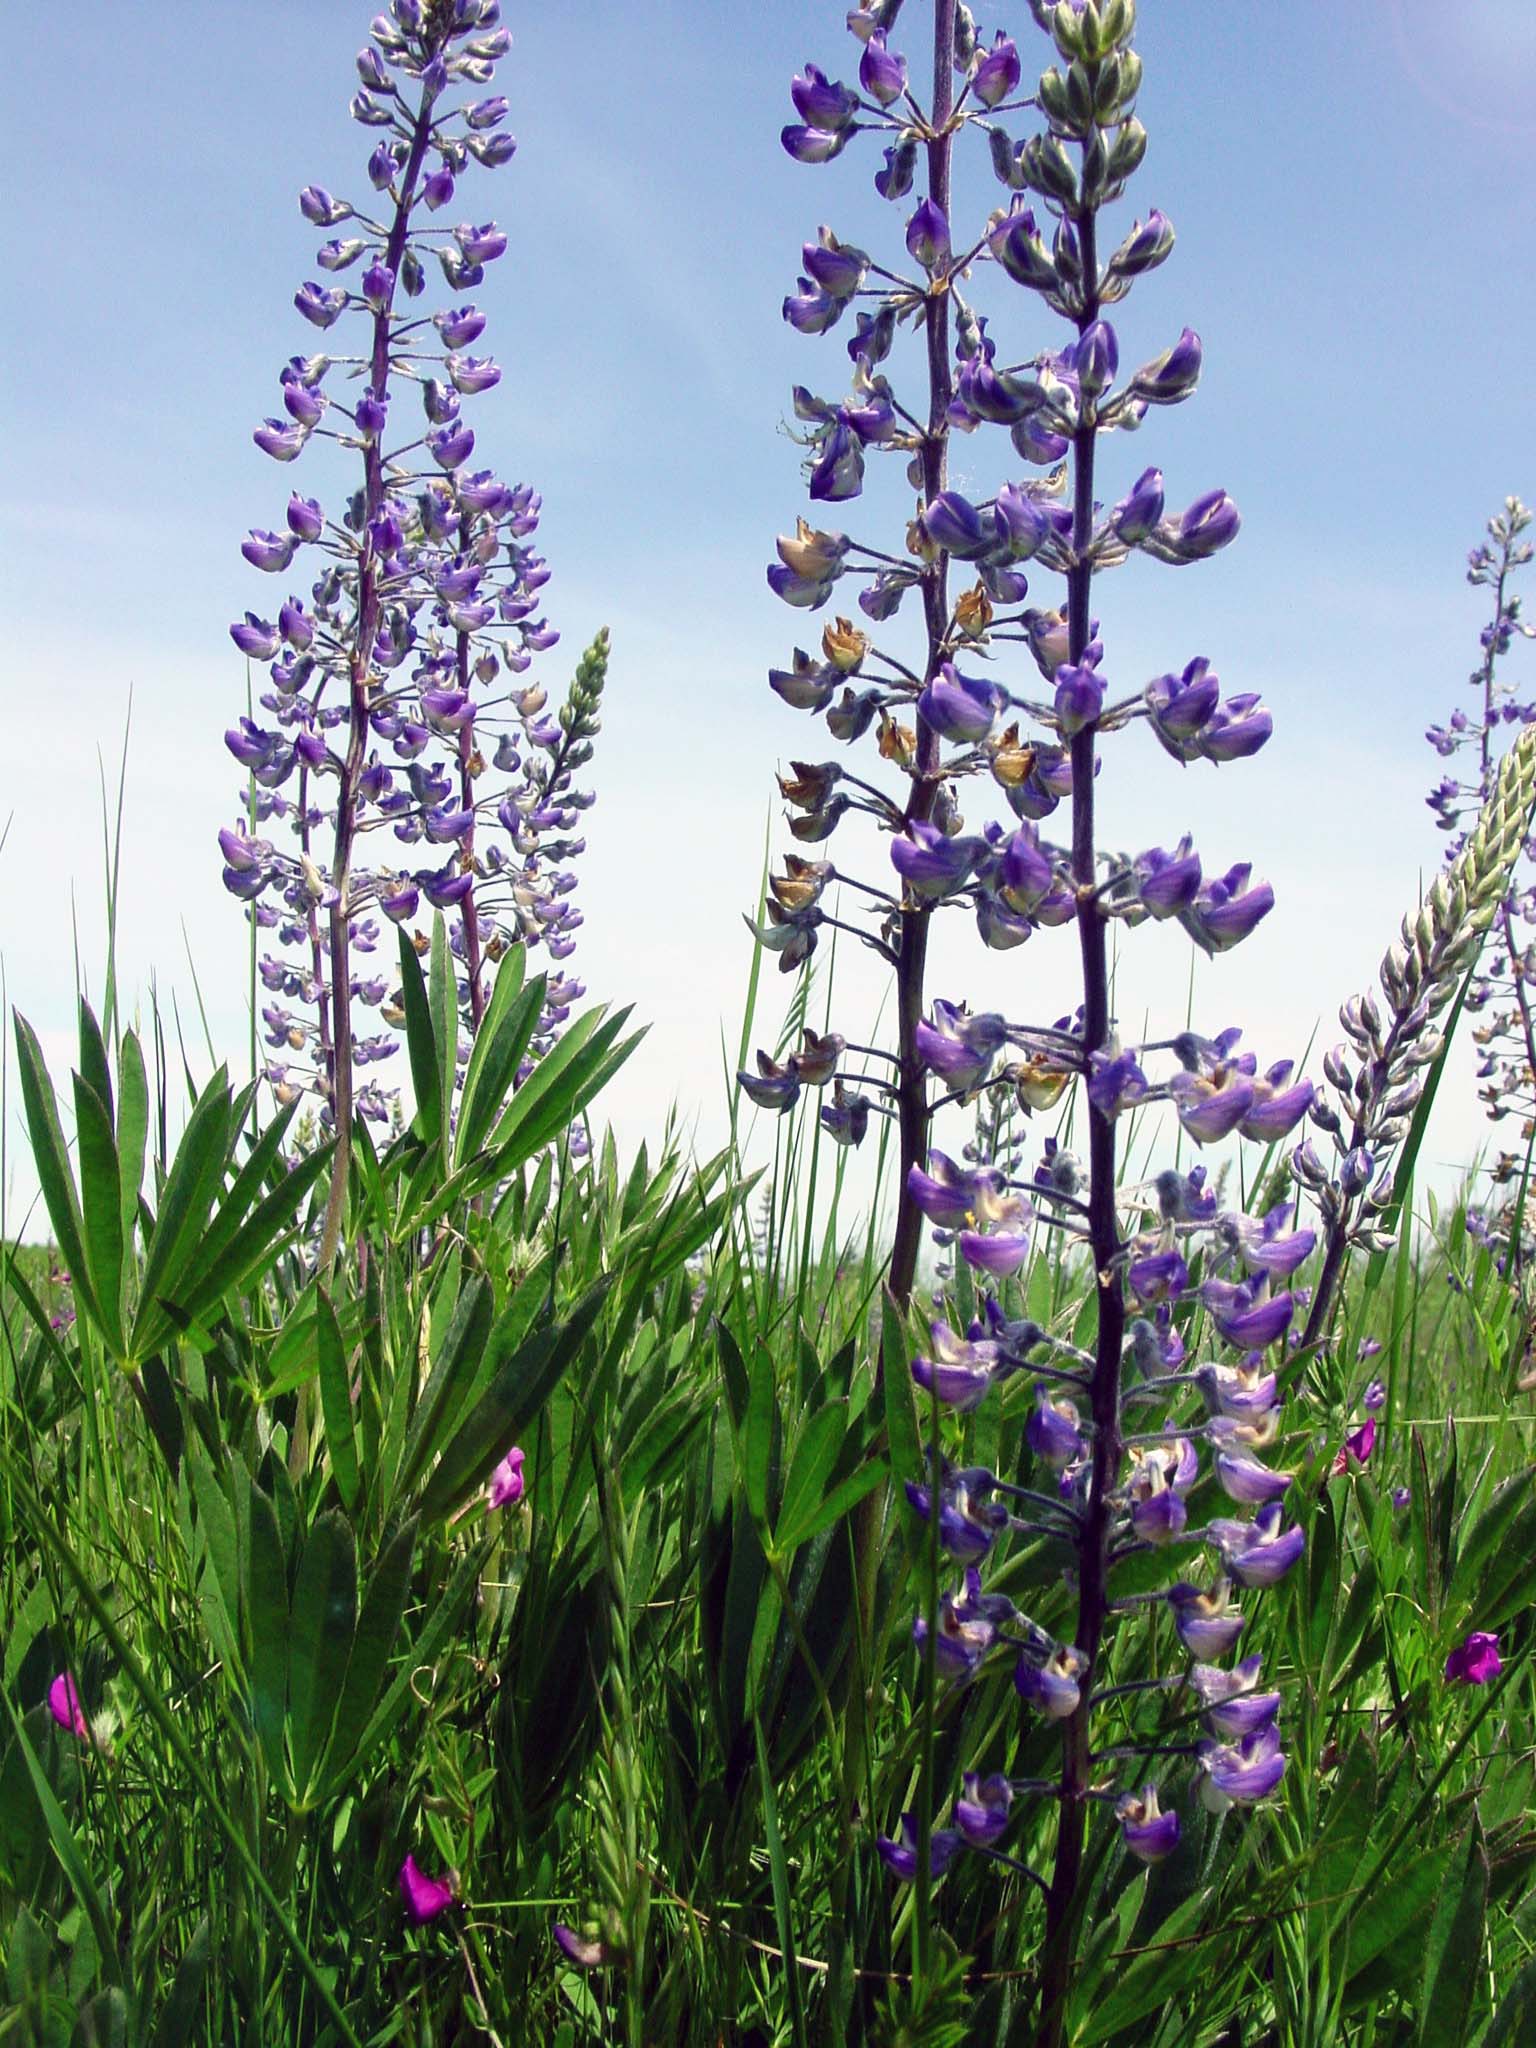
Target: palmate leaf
<point x="50" y="1156"/>
<point x="521" y="1386"/>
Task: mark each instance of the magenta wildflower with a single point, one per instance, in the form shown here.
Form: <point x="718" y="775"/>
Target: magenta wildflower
<point x="64" y="1705"/>
<point x="425" y="1897"/>
<point x="1475" y="1661"/>
<point x="506" y="1487"/>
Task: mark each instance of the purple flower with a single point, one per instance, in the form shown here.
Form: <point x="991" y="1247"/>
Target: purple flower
<point x="1096" y="357"/>
<point x="1358" y="1445"/>
<point x="998" y="73"/>
<point x="586" y="1952"/>
<point x="820" y="103"/>
<point x="1079" y="697"/>
<point x="1241" y="1773"/>
<point x="1052" y="1431"/>
<point x="968" y="1625"/>
<point x="982" y="1814"/>
<point x="900" y="1857"/>
<point x="1116" y="1082"/>
<point x="1148" y="1832"/>
<point x="321" y="308"/>
<point x="928" y="236"/>
<point x="1138" y="513"/>
<point x="1247" y="1315"/>
<point x="1207" y="1625"/>
<point x="961" y="1370"/>
<point x="1209" y="1109"/>
<point x="1172" y="376"/>
<point x="1257" y="1553"/>
<point x="960" y="708"/>
<point x="64" y="1705"/>
<point x="1226" y="910"/>
<point x="1054" y="1686"/>
<point x="772" y="1086"/>
<point x="425" y="1897"/>
<point x="305" y="519"/>
<point x="1181" y="705"/>
<point x="1243" y="1477"/>
<point x="959" y="1047"/>
<point x="947" y="1194"/>
<point x="882" y="73"/>
<point x="506" y="1483"/>
<point x="1208" y="525"/>
<point x="930" y="864"/>
<point x="968" y="1523"/>
<point x="952" y="522"/>
<point x="481" y="244"/>
<point x="459" y="327"/>
<point x="1475" y="1661"/>
<point x="258" y="638"/>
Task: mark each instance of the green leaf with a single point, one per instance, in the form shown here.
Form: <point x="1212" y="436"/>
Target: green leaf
<point x="511" y="1401"/>
<point x="443" y="996"/>
<point x="505" y="1030"/>
<point x="563" y="1082"/>
<point x="266" y="1614"/>
<point x="778" y="1870"/>
<point x="67" y="1849"/>
<point x="453" y="1373"/>
<point x="900" y="1406"/>
<point x="760" y="1436"/>
<point x="50" y="1156"/>
<point x="1453" y="1957"/>
<point x="336" y="1403"/>
<point x="420" y="1045"/>
<point x="100" y="1201"/>
<point x="833" y="1506"/>
<point x="319" y="1640"/>
<point x="1148" y="1981"/>
<point x="1514" y="2022"/>
<point x="815" y="1453"/>
<point x="374" y="1639"/>
<point x="445" y="1617"/>
<point x="132" y="1133"/>
<point x="236" y="1261"/>
<point x="190" y="1188"/>
<point x="1402" y="1895"/>
<point x="181" y="2020"/>
<point x="95" y="1068"/>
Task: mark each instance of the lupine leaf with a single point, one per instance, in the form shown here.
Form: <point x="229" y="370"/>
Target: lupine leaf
<point x="1454" y="1952"/>
<point x="378" y="1625"/>
<point x="514" y="1397"/>
<point x="443" y="997"/>
<point x="453" y="1371"/>
<point x="189" y="1192"/>
<point x="815" y="1453"/>
<point x="505" y="1030"/>
<point x="50" y="1157"/>
<point x="67" y="1849"/>
<point x="319" y="1640"/>
<point x="180" y="2017"/>
<point x="420" y="1044"/>
<point x="266" y="1612"/>
<point x="336" y="1402"/>
<point x="132" y="1133"/>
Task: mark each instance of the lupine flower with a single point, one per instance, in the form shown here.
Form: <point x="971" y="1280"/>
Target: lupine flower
<point x="1260" y="1552"/>
<point x="900" y="1856"/>
<point x="437" y="590"/>
<point x="1054" y="1685"/>
<point x="1148" y="1832"/>
<point x="1475" y="1661"/>
<point x="585" y="1951"/>
<point x="982" y="1814"/>
<point x="1233" y="1705"/>
<point x="968" y="1626"/>
<point x="1207" y="1626"/>
<point x="1240" y="1774"/>
<point x="425" y="1897"/>
<point x="961" y="1370"/>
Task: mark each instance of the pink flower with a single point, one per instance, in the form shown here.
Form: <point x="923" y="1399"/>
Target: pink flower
<point x="1356" y="1447"/>
<point x="425" y="1897"/>
<point x="64" y="1705"/>
<point x="1475" y="1661"/>
<point x="506" y="1488"/>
